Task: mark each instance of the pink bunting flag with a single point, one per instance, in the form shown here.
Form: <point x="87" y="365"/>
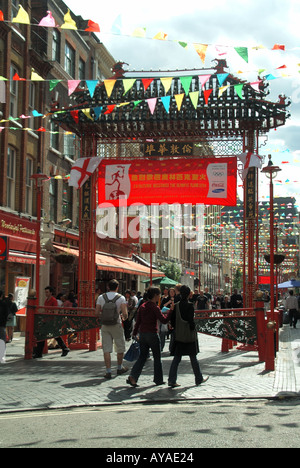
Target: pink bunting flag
<point x="203" y="80"/>
<point x="72" y="85"/>
<point x="48" y="21"/>
<point x="152" y="104"/>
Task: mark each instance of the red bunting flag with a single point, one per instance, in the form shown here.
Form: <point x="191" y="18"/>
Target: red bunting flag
<point x="110" y="109"/>
<point x="17" y="78"/>
<point x="92" y="27"/>
<point x="75" y="115"/>
<point x="1" y="16"/>
<point x="207" y="93"/>
<point x="147" y="82"/>
<point x="278" y="47"/>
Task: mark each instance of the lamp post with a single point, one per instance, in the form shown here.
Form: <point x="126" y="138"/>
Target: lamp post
<point x="271" y="172"/>
<point x="38" y="178"/>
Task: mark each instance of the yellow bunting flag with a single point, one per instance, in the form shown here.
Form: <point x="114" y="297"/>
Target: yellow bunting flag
<point x="109" y="86"/>
<point x="69" y="22"/>
<point x="179" y="100"/>
<point x="166" y="82"/>
<point x="22" y="16"/>
<point x="201" y="50"/>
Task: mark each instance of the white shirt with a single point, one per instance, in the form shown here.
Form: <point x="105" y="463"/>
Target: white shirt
<point x="291" y="303"/>
<point x="111" y="295"/>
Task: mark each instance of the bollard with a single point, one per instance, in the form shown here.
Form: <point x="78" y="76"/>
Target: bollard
<point x="261" y="329"/>
<point x="29" y="333"/>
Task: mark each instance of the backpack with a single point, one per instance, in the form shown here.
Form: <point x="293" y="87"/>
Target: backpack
<point x="110" y="314"/>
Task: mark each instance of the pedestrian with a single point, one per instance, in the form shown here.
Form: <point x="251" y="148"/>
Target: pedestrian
<point x="236" y="300"/>
<point x="291" y="304"/>
<point x="11" y="319"/>
<point x="3" y="320"/>
<point x="202" y="301"/>
<point x="112" y="309"/>
<point x="50" y="301"/>
<point x="186" y="339"/>
<point x="147" y="326"/>
<point x="131" y="308"/>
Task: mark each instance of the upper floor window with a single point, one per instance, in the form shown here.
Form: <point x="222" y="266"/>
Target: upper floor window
<point x="81" y="69"/>
<point x="11" y="178"/>
<point x="14" y="8"/>
<point x="56" y="45"/>
<point x="29" y="185"/>
<point x="70" y="60"/>
<point x="14" y="88"/>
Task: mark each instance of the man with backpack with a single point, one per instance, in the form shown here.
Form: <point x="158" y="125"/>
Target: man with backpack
<point x="112" y="309"/>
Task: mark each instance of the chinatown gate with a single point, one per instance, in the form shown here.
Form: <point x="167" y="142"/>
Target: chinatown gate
<point x="216" y="114"/>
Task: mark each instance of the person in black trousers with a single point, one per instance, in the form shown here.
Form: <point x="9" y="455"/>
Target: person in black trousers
<point x="184" y="312"/>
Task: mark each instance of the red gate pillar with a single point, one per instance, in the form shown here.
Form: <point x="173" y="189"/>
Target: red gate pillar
<point x="250" y="202"/>
<point x="261" y="329"/>
<point x="87" y="244"/>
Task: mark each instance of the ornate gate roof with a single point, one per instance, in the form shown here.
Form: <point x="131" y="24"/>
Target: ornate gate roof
<point x="209" y="111"/>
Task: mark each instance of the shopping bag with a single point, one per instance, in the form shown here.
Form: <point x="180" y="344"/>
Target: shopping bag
<point x="133" y="353"/>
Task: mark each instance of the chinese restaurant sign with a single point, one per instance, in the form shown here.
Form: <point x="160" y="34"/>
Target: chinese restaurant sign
<point x="212" y="181"/>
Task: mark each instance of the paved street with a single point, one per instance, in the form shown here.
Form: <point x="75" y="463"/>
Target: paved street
<point x="77" y="380"/>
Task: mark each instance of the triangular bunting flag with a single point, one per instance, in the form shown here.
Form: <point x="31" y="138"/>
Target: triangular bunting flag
<point x="255" y="85"/>
<point x="278" y="47"/>
<point x="161" y="36"/>
<point x="207" y="94"/>
<point x="22" y="16"/>
<point x="166" y="100"/>
<point x="147" y="82"/>
<point x="1" y="16"/>
<point x="92" y="84"/>
<point x="271" y="77"/>
<point x="152" y="104"/>
<point x="117" y="25"/>
<point x="204" y="79"/>
<point x="97" y="111"/>
<point x="87" y="113"/>
<point x="17" y="78"/>
<point x="238" y="89"/>
<point x="72" y="85"/>
<point x="53" y="83"/>
<point x="222" y="77"/>
<point x="222" y="89"/>
<point x="179" y="100"/>
<point x="166" y="82"/>
<point x="92" y="27"/>
<point x="201" y="50"/>
<point x="110" y="109"/>
<point x="128" y="83"/>
<point x="183" y="44"/>
<point x="136" y="103"/>
<point x="35" y="76"/>
<point x="186" y="83"/>
<point x="109" y="86"/>
<point x="69" y="23"/>
<point x="139" y="32"/>
<point x="243" y="52"/>
<point x="194" y="96"/>
<point x="48" y="21"/>
<point x="75" y="115"/>
<point x="35" y="113"/>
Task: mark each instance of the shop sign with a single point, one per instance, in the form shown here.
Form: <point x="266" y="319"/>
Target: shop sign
<point x="15" y="226"/>
<point x="4" y="249"/>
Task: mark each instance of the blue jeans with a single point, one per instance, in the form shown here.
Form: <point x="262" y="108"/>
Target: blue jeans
<point x="149" y="341"/>
<point x="195" y="365"/>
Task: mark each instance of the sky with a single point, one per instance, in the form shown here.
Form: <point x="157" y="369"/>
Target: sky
<point x="226" y="24"/>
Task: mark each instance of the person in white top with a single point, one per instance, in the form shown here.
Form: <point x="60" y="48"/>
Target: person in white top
<point x="113" y="333"/>
<point x="291" y="304"/>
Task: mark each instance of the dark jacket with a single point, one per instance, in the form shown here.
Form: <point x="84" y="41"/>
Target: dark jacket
<point x="187" y="313"/>
<point x="147" y="317"/>
<point x="4" y="311"/>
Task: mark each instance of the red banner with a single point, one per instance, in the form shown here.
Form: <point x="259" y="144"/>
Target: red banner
<point x="212" y="181"/>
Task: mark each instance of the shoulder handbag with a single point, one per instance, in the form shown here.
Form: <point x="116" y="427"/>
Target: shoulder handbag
<point x="133" y="352"/>
<point x="183" y="332"/>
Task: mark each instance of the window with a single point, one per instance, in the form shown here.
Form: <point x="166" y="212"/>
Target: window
<point x="54" y="136"/>
<point x="14" y="8"/>
<point x="29" y="185"/>
<point x="67" y="201"/>
<point x="32" y="94"/>
<point x="14" y="88"/>
<point x="56" y="45"/>
<point x="69" y="146"/>
<point x="69" y="60"/>
<point x="52" y="200"/>
<point x="11" y="178"/>
<point x="81" y="69"/>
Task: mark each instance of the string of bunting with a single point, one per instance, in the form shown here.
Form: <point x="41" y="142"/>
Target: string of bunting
<point x="49" y="21"/>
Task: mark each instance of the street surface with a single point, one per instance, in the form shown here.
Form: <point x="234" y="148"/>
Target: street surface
<point x="218" y="424"/>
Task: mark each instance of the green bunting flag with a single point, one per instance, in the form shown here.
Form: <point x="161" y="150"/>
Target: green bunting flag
<point x="243" y="52"/>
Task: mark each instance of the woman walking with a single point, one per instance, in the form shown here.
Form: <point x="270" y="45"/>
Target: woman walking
<point x="147" y="326"/>
<point x="186" y="341"/>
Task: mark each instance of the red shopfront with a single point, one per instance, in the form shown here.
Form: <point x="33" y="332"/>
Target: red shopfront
<point x="21" y="261"/>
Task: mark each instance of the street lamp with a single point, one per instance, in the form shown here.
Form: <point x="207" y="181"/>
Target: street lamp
<point x="271" y="172"/>
<point x="38" y="179"/>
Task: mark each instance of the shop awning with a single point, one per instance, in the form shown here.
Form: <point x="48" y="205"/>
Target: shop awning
<point x="110" y="263"/>
<point x="24" y="257"/>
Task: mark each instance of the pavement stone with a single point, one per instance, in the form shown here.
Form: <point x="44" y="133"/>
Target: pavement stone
<point x="77" y="380"/>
